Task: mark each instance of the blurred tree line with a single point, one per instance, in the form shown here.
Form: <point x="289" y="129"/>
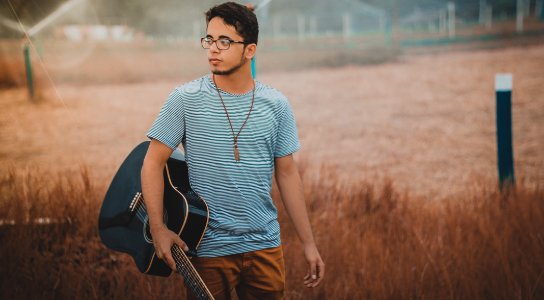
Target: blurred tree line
<point x="163" y="17"/>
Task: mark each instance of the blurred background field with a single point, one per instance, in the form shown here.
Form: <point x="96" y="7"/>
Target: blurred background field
<point x="396" y="115"/>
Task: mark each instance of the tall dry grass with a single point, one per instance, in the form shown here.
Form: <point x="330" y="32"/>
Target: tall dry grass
<point x="377" y="243"/>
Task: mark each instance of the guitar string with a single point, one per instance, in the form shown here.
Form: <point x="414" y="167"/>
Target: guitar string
<point x="141" y="213"/>
<point x="193" y="274"/>
<point x="198" y="280"/>
<point x="192" y="271"/>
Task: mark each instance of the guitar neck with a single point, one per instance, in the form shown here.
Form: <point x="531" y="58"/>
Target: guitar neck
<point x="189" y="273"/>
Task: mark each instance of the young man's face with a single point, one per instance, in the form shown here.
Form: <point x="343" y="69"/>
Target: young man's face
<point x="225" y="62"/>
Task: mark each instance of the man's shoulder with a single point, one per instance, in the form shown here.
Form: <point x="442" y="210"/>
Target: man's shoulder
<point x="272" y="94"/>
<point x="191" y="87"/>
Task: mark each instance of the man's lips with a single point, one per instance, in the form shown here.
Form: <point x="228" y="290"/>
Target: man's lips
<point x="214" y="60"/>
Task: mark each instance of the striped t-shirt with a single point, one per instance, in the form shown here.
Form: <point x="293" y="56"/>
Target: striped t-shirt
<point x="242" y="215"/>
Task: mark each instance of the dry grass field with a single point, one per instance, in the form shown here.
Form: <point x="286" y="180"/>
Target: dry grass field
<point x="398" y="160"/>
<point x="376" y="242"/>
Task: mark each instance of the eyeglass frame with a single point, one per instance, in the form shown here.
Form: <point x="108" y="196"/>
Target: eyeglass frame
<point x="231" y="41"/>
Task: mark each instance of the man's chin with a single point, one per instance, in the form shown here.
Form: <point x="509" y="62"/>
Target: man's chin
<point x="222" y="72"/>
<point x="217" y="71"/>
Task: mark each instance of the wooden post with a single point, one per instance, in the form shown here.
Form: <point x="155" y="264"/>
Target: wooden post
<point x="505" y="160"/>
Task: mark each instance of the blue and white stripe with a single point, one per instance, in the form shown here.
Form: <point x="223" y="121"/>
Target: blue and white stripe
<point x="242" y="215"/>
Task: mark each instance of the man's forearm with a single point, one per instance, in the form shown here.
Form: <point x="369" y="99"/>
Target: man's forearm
<point x="292" y="194"/>
<point x="153" y="192"/>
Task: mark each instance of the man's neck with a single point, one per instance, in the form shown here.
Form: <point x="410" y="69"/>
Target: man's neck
<point x="236" y="83"/>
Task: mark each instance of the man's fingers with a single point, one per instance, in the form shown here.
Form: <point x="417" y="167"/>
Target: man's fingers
<point x="170" y="260"/>
<point x="320" y="270"/>
<point x="311" y="276"/>
<point x="315" y="275"/>
<point x="313" y="267"/>
<point x="181" y="244"/>
<point x="320" y="273"/>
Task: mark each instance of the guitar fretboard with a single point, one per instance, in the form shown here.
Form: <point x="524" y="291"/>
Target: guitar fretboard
<point x="192" y="279"/>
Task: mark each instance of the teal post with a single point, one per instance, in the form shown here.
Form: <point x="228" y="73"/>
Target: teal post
<point x="505" y="157"/>
<point x="541" y="11"/>
<point x="28" y="67"/>
<point x="253" y="68"/>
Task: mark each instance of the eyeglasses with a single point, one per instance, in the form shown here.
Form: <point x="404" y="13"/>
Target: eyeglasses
<point x="222" y="43"/>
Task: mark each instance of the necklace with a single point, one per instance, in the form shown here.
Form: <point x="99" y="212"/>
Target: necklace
<point x="235" y="136"/>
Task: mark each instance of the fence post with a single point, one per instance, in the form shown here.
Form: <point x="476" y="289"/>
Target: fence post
<point x="301" y="27"/>
<point x="505" y="160"/>
<point x="451" y="20"/>
<point x="196" y="32"/>
<point x="28" y="68"/>
<point x="442" y="20"/>
<point x="489" y="16"/>
<point x="520" y="11"/>
<point x="313" y="26"/>
<point x="276" y="27"/>
<point x="483" y="12"/>
<point x="539" y="9"/>
<point x="346" y="26"/>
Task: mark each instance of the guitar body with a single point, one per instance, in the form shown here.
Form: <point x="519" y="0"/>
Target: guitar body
<point x="123" y="221"/>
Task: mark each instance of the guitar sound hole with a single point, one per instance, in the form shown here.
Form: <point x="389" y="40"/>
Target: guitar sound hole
<point x="147" y="231"/>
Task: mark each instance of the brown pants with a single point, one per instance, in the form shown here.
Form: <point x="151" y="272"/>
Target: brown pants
<point x="251" y="275"/>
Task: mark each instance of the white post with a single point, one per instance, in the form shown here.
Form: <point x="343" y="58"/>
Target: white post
<point x="382" y="21"/>
<point x="442" y="21"/>
<point x="451" y="19"/>
<point x="313" y="26"/>
<point x="276" y="27"/>
<point x="519" y="15"/>
<point x="196" y="31"/>
<point x="300" y="26"/>
<point x="346" y="26"/>
<point x="483" y="11"/>
<point x="488" y="16"/>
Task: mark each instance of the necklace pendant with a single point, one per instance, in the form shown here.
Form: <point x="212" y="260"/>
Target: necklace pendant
<point x="236" y="153"/>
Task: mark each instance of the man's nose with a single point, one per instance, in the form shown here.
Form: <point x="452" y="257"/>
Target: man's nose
<point x="214" y="48"/>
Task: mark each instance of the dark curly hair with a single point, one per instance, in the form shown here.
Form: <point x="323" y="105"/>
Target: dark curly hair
<point x="238" y="16"/>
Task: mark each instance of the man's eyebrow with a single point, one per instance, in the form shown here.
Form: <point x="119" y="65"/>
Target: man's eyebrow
<point x="221" y="36"/>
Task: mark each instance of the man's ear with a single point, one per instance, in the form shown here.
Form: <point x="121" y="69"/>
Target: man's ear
<point x="251" y="49"/>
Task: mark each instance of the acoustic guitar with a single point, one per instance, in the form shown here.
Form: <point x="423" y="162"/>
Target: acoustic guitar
<point x="123" y="221"/>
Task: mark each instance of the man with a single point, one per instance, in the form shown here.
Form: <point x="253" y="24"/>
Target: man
<point x="235" y="132"/>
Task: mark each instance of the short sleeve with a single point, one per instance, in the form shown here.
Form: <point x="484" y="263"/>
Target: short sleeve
<point x="287" y="137"/>
<point x="169" y="127"/>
